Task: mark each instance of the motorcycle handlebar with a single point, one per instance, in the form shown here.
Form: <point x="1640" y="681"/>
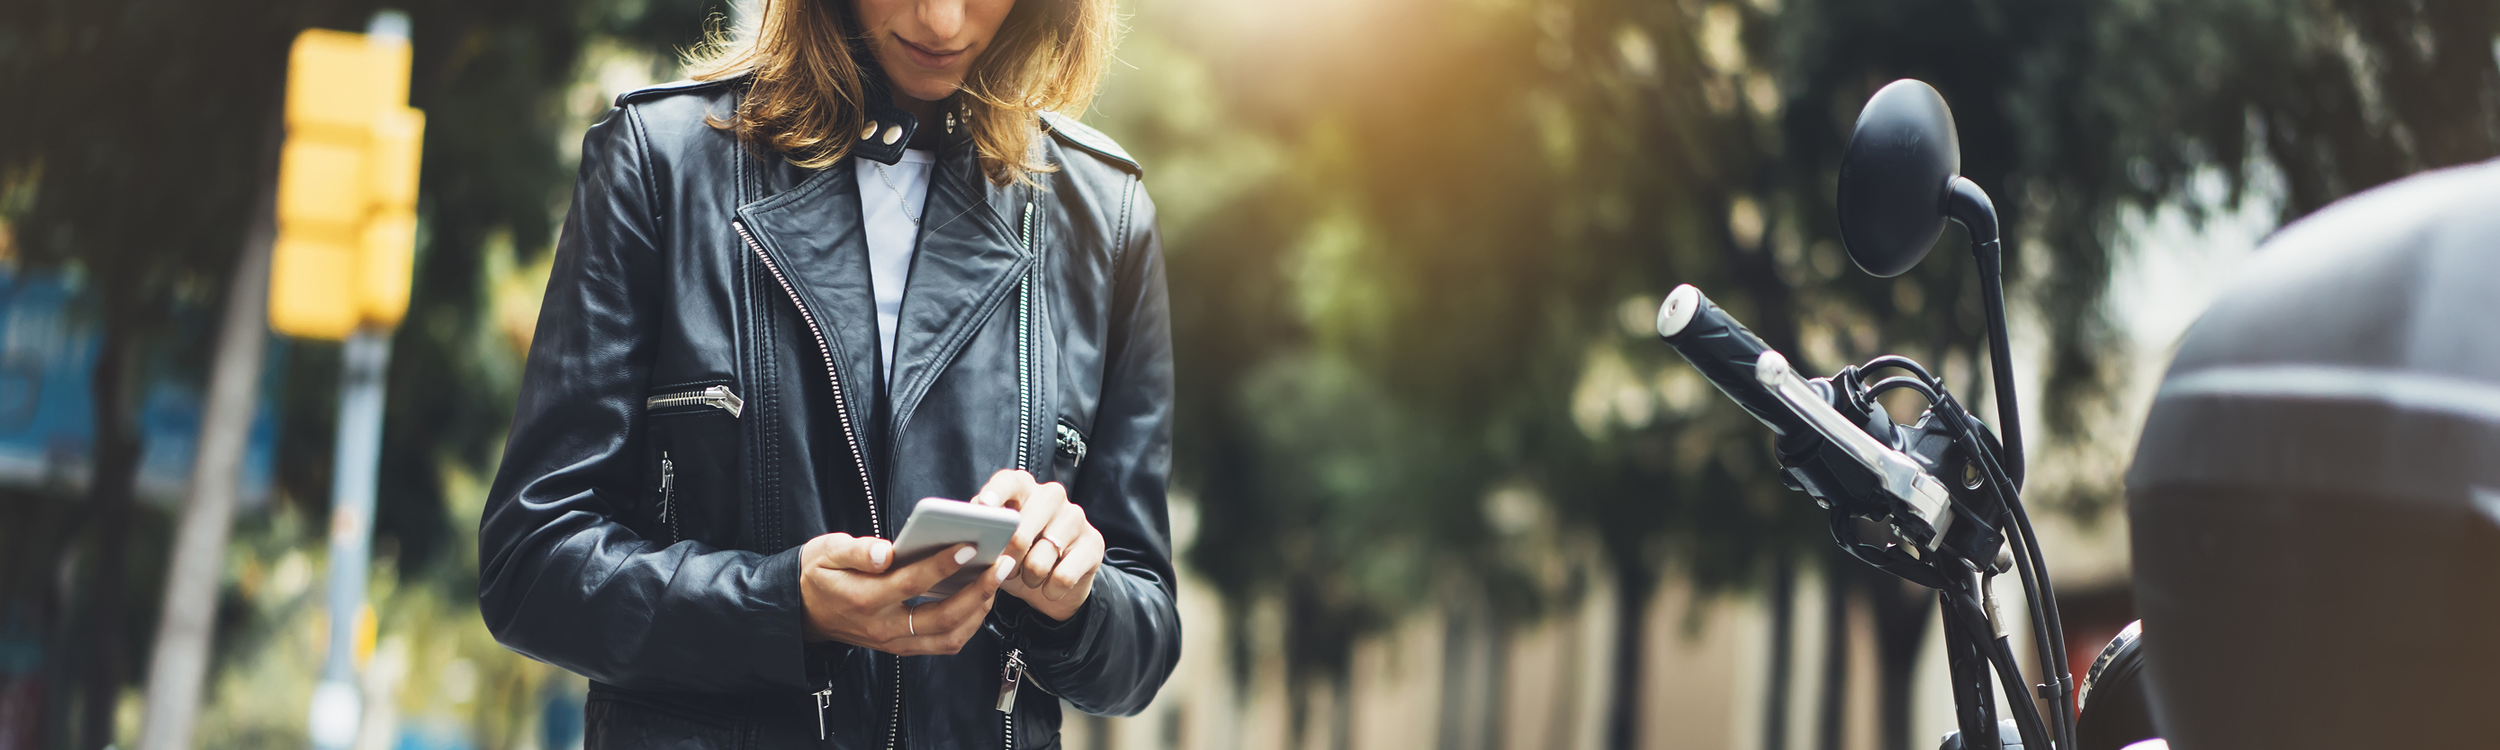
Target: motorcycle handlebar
<point x="1759" y="379"/>
<point x="1726" y="353"/>
<point x="1918" y="508"/>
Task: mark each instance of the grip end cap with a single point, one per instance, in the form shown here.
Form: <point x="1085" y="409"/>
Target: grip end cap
<point x="1677" y="311"/>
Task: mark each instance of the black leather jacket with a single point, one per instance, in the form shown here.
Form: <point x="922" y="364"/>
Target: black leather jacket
<point x="703" y="396"/>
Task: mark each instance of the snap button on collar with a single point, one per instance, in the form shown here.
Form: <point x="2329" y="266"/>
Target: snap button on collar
<point x="871" y="131"/>
<point x="893" y="133"/>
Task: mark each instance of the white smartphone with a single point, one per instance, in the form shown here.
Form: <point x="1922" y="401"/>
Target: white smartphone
<point x="937" y="523"/>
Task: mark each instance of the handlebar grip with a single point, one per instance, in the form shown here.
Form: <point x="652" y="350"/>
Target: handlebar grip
<point x="1726" y="353"/>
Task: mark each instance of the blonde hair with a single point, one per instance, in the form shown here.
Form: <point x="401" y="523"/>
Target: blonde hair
<point x="807" y="59"/>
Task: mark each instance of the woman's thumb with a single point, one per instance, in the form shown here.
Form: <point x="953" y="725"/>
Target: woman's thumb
<point x="863" y="554"/>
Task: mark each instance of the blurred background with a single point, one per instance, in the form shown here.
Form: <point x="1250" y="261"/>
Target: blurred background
<point x="1438" y="485"/>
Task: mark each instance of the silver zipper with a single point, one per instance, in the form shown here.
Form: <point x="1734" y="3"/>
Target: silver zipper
<point x="1024" y="352"/>
<point x="1011" y="674"/>
<point x="718" y="397"/>
<point x="841" y="410"/>
<point x="1008" y="680"/>
<point x="894" y="728"/>
<point x="668" y="496"/>
<point x="841" y="403"/>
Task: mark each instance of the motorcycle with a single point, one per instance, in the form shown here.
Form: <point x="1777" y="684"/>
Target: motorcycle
<point x="1937" y="501"/>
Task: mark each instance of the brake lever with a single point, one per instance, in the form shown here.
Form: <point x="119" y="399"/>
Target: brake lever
<point x="1897" y="474"/>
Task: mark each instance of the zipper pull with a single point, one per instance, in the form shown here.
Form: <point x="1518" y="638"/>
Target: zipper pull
<point x="824" y="700"/>
<point x="1072" y="445"/>
<point x="1010" y="679"/>
<point x="726" y="400"/>
<point x="668" y="495"/>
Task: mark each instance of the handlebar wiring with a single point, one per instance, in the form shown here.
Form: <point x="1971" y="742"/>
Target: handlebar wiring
<point x="2038" y="592"/>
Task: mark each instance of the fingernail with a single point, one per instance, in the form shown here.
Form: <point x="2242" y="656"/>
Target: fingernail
<point x="877" y="553"/>
<point x="1005" y="568"/>
<point x="963" y="555"/>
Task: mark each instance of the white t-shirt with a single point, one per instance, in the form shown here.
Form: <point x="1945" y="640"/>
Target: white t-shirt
<point x="891" y="199"/>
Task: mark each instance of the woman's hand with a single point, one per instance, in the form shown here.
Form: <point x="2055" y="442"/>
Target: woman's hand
<point x="1060" y="550"/>
<point x="852" y="598"/>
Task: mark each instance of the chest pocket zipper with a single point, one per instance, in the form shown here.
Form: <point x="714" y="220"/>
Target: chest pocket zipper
<point x="717" y="396"/>
<point x="711" y="396"/>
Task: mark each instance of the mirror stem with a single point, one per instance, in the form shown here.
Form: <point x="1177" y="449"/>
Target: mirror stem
<point x="1968" y="204"/>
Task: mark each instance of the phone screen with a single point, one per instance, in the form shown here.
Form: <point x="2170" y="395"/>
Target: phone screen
<point x="937" y="524"/>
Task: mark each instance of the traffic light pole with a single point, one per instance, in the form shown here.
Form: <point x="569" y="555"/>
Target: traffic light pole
<point x="335" y="264"/>
<point x="347" y="225"/>
<point x="337" y="702"/>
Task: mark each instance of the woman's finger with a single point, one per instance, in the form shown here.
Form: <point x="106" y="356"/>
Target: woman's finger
<point x="944" y="643"/>
<point x="1084" y="558"/>
<point x="944" y="625"/>
<point x="845" y="552"/>
<point x="1063" y="529"/>
<point x="1004" y="489"/>
<point x="1040" y="504"/>
<point x="971" y="602"/>
<point x="916" y="578"/>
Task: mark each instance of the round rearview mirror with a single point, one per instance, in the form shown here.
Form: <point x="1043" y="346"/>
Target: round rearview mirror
<point x="1894" y="177"/>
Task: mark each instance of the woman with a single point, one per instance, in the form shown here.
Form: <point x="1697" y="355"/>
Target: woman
<point x="858" y="262"/>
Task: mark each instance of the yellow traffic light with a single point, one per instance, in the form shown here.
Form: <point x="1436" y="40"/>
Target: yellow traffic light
<point x="386" y="267"/>
<point x="347" y="187"/>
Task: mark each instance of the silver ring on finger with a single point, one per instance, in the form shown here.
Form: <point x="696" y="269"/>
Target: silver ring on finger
<point x="909" y="621"/>
<point x="1057" y="550"/>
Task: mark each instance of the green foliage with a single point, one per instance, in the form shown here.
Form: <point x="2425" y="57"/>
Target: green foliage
<point x="1411" y="266"/>
<point x="141" y="134"/>
<point x="1411" y="242"/>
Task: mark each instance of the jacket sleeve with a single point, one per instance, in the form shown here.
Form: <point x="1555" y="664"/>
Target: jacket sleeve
<point x="561" y="578"/>
<point x="1114" y="654"/>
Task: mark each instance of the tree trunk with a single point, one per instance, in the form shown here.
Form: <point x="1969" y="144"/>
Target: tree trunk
<point x="1497" y="677"/>
<point x="188" y="621"/>
<point x="1562" y="724"/>
<point x="1341" y="721"/>
<point x="1783" y="608"/>
<point x="1458" y="678"/>
<point x="110" y="488"/>
<point x="1835" y="698"/>
<point x="1473" y="654"/>
<point x="1633" y="582"/>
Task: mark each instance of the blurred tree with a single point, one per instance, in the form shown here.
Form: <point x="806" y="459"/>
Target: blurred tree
<point x="1408" y="269"/>
<point x="136" y="176"/>
<point x="2075" y="113"/>
<point x="145" y="128"/>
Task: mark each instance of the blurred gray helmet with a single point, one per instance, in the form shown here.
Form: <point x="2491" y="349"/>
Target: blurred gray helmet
<point x="2315" y="502"/>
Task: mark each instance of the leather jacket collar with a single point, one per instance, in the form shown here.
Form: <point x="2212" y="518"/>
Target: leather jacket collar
<point x="890" y="129"/>
<point x="970" y="255"/>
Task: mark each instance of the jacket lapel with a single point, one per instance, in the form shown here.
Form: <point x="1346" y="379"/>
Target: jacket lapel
<point x="814" y="237"/>
<point x="970" y="257"/>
